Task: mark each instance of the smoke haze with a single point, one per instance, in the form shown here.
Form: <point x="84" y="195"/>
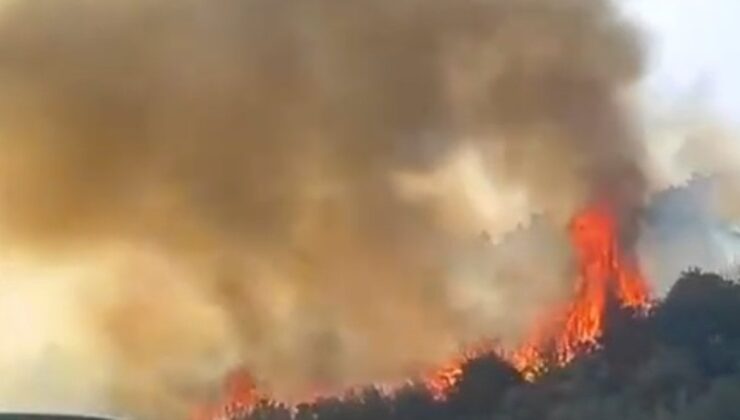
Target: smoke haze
<point x="297" y="187"/>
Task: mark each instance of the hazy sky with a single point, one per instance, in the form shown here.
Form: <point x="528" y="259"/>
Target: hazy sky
<point x="695" y="54"/>
<point x="695" y="50"/>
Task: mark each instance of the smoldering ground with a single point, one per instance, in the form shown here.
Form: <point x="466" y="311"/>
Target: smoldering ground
<point x="248" y="182"/>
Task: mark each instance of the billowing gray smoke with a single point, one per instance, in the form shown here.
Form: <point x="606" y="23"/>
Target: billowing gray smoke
<point x="293" y="186"/>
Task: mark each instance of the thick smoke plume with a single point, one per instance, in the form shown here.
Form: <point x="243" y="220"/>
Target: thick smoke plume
<point x="297" y="187"/>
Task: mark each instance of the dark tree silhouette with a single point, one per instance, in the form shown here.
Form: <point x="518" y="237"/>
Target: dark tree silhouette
<point x="483" y="384"/>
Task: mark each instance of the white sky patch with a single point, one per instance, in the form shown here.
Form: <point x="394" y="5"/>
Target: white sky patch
<point x="693" y="48"/>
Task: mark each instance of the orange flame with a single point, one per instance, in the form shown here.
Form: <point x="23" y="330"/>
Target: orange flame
<point x="605" y="272"/>
<point x="443" y="378"/>
<point x="240" y="395"/>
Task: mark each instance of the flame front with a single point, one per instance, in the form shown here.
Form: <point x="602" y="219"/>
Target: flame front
<point x="605" y="272"/>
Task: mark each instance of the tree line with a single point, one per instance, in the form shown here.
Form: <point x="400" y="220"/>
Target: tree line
<point x="679" y="361"/>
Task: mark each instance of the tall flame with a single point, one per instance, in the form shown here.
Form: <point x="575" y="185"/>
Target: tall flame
<point x="240" y="395"/>
<point x="605" y="272"/>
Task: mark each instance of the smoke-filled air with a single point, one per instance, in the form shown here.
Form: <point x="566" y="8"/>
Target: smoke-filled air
<point x="323" y="193"/>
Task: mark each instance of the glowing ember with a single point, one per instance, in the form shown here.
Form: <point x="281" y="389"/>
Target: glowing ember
<point x="605" y="273"/>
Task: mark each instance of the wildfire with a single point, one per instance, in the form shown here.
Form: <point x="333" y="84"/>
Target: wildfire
<point x="240" y="395"/>
<point x="441" y="380"/>
<point x="605" y="272"/>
